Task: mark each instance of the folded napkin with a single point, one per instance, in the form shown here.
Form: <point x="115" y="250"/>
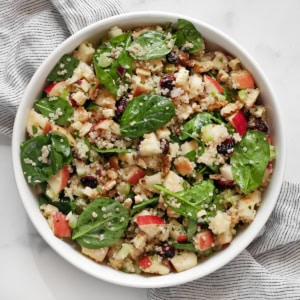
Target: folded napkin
<point x="268" y="269"/>
<point x="29" y="31"/>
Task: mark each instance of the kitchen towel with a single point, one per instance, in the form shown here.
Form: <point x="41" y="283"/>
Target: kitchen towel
<point x="268" y="269"/>
<point x="29" y="31"/>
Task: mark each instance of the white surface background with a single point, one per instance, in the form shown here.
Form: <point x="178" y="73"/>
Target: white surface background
<point x="269" y="30"/>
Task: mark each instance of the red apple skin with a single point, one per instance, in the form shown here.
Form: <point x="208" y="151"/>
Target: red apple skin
<point x="47" y="128"/>
<point x="61" y="226"/>
<point x="239" y="122"/>
<point x="60" y="180"/>
<point x="217" y="87"/>
<point x="145" y="262"/>
<point x="149" y="219"/>
<point x="182" y="238"/>
<point x="135" y="175"/>
<point x="49" y="87"/>
<point x="206" y="240"/>
<point x="244" y="80"/>
<point x="184" y="166"/>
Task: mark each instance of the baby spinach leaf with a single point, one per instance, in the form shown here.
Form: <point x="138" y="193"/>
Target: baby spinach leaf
<point x="249" y="160"/>
<point x="64" y="204"/>
<point x="35" y="170"/>
<point x="64" y="68"/>
<point x="111" y="62"/>
<point x="190" y="201"/>
<point x="150" y="45"/>
<point x="140" y="206"/>
<point x="188" y="34"/>
<point x="193" y="126"/>
<point x="58" y="110"/>
<point x="145" y="114"/>
<point x="101" y="224"/>
<point x="112" y="150"/>
<point x="184" y="246"/>
<point x="191" y="228"/>
<point x="90" y="105"/>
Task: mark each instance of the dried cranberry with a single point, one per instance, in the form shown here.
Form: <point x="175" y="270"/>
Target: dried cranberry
<point x="172" y="57"/>
<point x="261" y="125"/>
<point x="226" y="146"/>
<point x="165" y="250"/>
<point x="89" y="181"/>
<point x="164" y="146"/>
<point x="167" y="82"/>
<point x="121" y="105"/>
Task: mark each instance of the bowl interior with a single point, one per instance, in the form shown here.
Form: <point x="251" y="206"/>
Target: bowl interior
<point x="213" y="38"/>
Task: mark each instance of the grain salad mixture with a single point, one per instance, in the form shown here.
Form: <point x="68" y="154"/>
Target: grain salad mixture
<point x="148" y="151"/>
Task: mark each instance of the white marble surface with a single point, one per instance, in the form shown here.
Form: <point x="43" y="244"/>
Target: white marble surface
<point x="270" y="31"/>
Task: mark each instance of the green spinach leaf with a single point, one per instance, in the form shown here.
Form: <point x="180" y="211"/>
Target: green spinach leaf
<point x="193" y="126"/>
<point x="249" y="160"/>
<point x="65" y="205"/>
<point x="101" y="224"/>
<point x="58" y="110"/>
<point x="191" y="228"/>
<point x="184" y="246"/>
<point x="140" y="206"/>
<point x="145" y="114"/>
<point x="150" y="45"/>
<point x="112" y="150"/>
<point x="188" y="34"/>
<point x="34" y="168"/>
<point x="112" y="61"/>
<point x="64" y="68"/>
<point x="190" y="201"/>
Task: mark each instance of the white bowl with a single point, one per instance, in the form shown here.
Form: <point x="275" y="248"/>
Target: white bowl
<point x="213" y="37"/>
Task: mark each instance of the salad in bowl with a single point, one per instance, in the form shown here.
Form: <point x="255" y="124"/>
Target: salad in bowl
<point x="149" y="150"/>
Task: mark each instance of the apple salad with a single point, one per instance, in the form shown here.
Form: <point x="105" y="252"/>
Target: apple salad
<point x="148" y="151"/>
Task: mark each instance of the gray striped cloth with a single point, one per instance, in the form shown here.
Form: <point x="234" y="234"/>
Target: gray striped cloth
<point x="268" y="269"/>
<point x="29" y="31"/>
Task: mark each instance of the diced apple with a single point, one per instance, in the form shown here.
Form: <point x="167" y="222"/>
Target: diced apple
<point x="248" y="97"/>
<point x="150" y="145"/>
<point x="226" y="172"/>
<point x="184" y="261"/>
<point x="63" y="131"/>
<point x="128" y="158"/>
<point x="173" y="182"/>
<point x="206" y="240"/>
<point x="189" y="146"/>
<point x="140" y="89"/>
<point x="149" y="219"/>
<point x="108" y="125"/>
<point x="242" y="80"/>
<point x="37" y="124"/>
<point x="134" y="175"/>
<point x="60" y="180"/>
<point x="56" y="88"/>
<point x="154" y="266"/>
<point x="149" y="180"/>
<point x="184" y="166"/>
<point x="96" y="254"/>
<point x="177" y="232"/>
<point x="61" y="226"/>
<point x="239" y="122"/>
<point x="212" y="85"/>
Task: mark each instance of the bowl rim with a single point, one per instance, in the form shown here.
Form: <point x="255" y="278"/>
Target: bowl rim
<point x="105" y="273"/>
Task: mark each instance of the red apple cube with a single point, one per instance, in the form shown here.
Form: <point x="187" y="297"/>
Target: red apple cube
<point x="37" y="124"/>
<point x="182" y="238"/>
<point x="134" y="174"/>
<point x="239" y="122"/>
<point x="145" y="262"/>
<point x="184" y="166"/>
<point x="242" y="80"/>
<point x="206" y="240"/>
<point x="149" y="219"/>
<point x="212" y="85"/>
<point x="140" y="89"/>
<point x="61" y="226"/>
<point x="60" y="180"/>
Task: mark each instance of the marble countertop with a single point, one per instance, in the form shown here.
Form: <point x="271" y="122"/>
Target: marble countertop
<point x="270" y="31"/>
